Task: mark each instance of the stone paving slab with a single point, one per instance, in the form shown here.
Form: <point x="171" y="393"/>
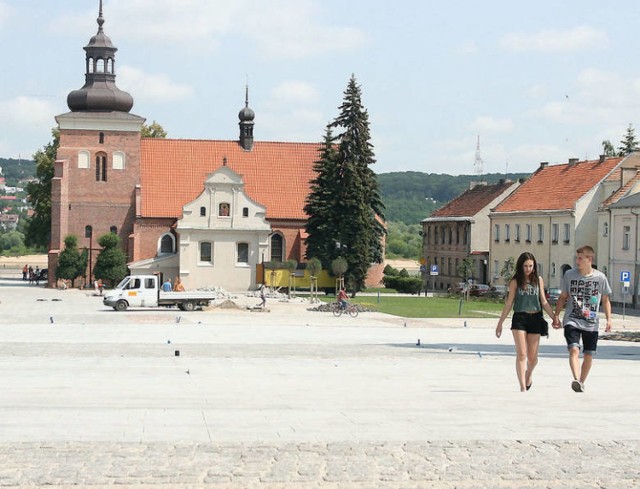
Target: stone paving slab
<point x="440" y="464"/>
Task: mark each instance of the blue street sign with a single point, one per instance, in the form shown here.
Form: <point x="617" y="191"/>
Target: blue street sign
<point x="434" y="270"/>
<point x="625" y="276"/>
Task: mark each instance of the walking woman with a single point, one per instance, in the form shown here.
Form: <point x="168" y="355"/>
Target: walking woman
<point x="527" y="297"/>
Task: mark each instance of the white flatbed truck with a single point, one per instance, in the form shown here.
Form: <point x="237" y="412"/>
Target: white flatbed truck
<point x="146" y="291"/>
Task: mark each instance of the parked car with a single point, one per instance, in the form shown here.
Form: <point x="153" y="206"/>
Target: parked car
<point x="499" y="291"/>
<point x="479" y="290"/>
<point x="553" y="293"/>
<point x="458" y="288"/>
<point x="43" y="275"/>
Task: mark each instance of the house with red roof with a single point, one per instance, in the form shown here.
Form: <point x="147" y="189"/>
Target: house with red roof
<point x="553" y="213"/>
<point x="618" y="232"/>
<point x="460" y="230"/>
<point x="209" y="211"/>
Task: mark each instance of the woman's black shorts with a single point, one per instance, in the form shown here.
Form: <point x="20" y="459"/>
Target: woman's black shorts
<point x="532" y="323"/>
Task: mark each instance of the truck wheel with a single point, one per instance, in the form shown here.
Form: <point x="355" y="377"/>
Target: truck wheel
<point x="189" y="306"/>
<point x="121" y="306"/>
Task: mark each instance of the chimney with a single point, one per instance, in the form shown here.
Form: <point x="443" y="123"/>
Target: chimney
<point x="573" y="161"/>
<point x="602" y="158"/>
<point x="544" y="164"/>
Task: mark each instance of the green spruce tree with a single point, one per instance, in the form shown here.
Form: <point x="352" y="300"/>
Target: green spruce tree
<point x="111" y="264"/>
<point x="628" y="144"/>
<point x="344" y="207"/>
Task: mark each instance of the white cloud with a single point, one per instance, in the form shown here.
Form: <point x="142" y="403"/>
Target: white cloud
<point x="567" y="40"/>
<point x="151" y="88"/>
<point x="26" y="111"/>
<point x="5" y="13"/>
<point x="487" y="124"/>
<point x="468" y="48"/>
<point x="294" y="92"/>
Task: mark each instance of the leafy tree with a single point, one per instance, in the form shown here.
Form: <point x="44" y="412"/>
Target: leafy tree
<point x="607" y="148"/>
<point x="508" y="269"/>
<point x="153" y="130"/>
<point x="38" y="228"/>
<point x="70" y="265"/>
<point x="111" y="264"/>
<point x="628" y="143"/>
<point x="345" y="206"/>
<point x="466" y="268"/>
<point x="339" y="266"/>
<point x="314" y="267"/>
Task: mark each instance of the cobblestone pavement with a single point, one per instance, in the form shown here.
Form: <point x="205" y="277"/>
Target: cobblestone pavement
<point x="297" y="400"/>
<point x="441" y="464"/>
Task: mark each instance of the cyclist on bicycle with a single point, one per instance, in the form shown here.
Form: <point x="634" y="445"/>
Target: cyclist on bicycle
<point x="342" y="298"/>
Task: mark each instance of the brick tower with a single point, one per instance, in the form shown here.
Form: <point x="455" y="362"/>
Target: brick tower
<point x="97" y="168"/>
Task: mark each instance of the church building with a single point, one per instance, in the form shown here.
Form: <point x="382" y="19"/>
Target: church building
<point x="207" y="211"/>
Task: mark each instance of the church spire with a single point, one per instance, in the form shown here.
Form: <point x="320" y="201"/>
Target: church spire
<point x="246" y="116"/>
<point x="100" y="92"/>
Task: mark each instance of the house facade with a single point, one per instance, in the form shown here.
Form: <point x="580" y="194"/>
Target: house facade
<point x="460" y="230"/>
<point x="552" y="214"/>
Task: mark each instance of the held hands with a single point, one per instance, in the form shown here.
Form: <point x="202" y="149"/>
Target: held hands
<point x="556" y="322"/>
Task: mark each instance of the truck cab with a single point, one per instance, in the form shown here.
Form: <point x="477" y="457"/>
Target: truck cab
<point x="134" y="291"/>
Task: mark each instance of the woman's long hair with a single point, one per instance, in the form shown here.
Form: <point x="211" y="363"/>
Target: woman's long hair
<point x="520" y="277"/>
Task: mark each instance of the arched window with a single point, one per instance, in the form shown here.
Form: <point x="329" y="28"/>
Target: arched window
<point x="101" y="167"/>
<point x="88" y="231"/>
<point x="89" y="65"/>
<point x="277" y="248"/>
<point x="101" y="138"/>
<point x="245" y="212"/>
<point x="100" y="66"/>
<point x="83" y="159"/>
<point x="118" y="160"/>
<point x="113" y="229"/>
<point x="206" y="255"/>
<point x="167" y="244"/>
<point x="203" y="211"/>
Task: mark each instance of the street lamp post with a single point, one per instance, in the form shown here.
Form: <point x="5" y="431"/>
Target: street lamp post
<point x="88" y="233"/>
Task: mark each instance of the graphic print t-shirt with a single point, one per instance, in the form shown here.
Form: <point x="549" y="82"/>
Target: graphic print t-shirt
<point x="585" y="294"/>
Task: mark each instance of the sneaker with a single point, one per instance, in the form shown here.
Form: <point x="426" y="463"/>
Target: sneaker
<point x="577" y="386"/>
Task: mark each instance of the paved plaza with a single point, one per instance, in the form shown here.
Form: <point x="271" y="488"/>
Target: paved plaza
<point x="292" y="398"/>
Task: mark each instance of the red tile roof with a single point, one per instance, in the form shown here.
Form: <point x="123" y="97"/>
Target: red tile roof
<point x="472" y="201"/>
<point x="622" y="191"/>
<point x="558" y="187"/>
<point x="276" y="175"/>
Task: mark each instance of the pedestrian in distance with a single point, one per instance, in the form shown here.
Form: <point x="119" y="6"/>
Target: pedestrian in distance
<point x="178" y="286"/>
<point x="527" y="298"/>
<point x="263" y="296"/>
<point x="166" y="286"/>
<point x="583" y="290"/>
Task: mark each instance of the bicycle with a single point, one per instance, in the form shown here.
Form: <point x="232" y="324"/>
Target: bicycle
<point x="338" y="309"/>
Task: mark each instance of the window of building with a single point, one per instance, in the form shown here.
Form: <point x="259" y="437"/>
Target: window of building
<point x="553" y="269"/>
<point x="101" y="138"/>
<point x="496" y="269"/>
<point x="442" y="235"/>
<point x="205" y="252"/>
<point x="540" y="233"/>
<point x="450" y="270"/>
<point x="101" y="167"/>
<point x="277" y="248"/>
<point x="435" y="229"/>
<point x="555" y="232"/>
<point x="167" y="244"/>
<point x="528" y="233"/>
<point x="566" y="232"/>
<point x="517" y="237"/>
<point x="496" y="232"/>
<point x="83" y="159"/>
<point x="626" y="237"/>
<point x="88" y="231"/>
<point x="245" y="212"/>
<point x="113" y="229"/>
<point x="507" y="232"/>
<point x="243" y="253"/>
<point x="605" y="229"/>
<point x="465" y="236"/>
<point x="224" y="209"/>
<point x="450" y="235"/>
<point x="118" y="160"/>
<point x="203" y="211"/>
<point x="540" y="272"/>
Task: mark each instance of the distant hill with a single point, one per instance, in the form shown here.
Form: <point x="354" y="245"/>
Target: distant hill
<point x="16" y="170"/>
<point x="412" y="196"/>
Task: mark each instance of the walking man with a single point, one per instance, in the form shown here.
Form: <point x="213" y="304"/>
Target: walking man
<point x="583" y="289"/>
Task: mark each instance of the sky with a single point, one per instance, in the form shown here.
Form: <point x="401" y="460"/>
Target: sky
<point x="533" y="81"/>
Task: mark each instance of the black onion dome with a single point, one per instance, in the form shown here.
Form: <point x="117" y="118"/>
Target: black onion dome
<point x="246" y="114"/>
<point x="100" y="92"/>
